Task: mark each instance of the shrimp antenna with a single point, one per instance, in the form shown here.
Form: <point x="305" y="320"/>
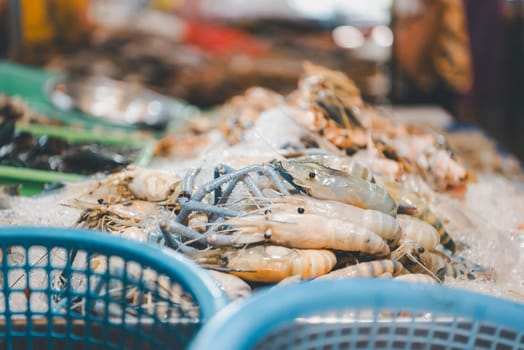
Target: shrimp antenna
<point x="403" y="250"/>
<point x="254" y="199"/>
<point x="416" y="261"/>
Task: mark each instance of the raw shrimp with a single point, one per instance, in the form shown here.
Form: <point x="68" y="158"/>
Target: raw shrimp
<point x="374" y="268"/>
<point x="416" y="278"/>
<point x="435" y="263"/>
<point x="113" y="217"/>
<point x="318" y="78"/>
<point x="410" y="199"/>
<point x="440" y="265"/>
<point x="325" y="183"/>
<point x="436" y="159"/>
<point x="342" y="163"/>
<point x="198" y="221"/>
<point x="133" y="233"/>
<point x="418" y="231"/>
<point x="307" y="231"/>
<point x="268" y="263"/>
<point x="410" y="252"/>
<point x="153" y="185"/>
<point x="447" y="170"/>
<point x="233" y="286"/>
<point x="371" y="159"/>
<point x="382" y="224"/>
<point x="136" y="183"/>
<point x="328" y="103"/>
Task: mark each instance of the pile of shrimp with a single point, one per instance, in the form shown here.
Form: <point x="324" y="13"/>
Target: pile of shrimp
<point x="289" y="219"/>
<point x="353" y="199"/>
<point x="329" y="105"/>
<point x="133" y="204"/>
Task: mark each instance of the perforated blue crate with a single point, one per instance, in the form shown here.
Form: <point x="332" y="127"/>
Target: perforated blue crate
<point x="66" y="288"/>
<point x="365" y="314"/>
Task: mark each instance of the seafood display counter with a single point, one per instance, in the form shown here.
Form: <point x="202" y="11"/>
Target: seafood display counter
<point x="270" y="190"/>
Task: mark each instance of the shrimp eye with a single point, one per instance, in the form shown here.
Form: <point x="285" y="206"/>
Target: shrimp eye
<point x="421" y="250"/>
<point x="267" y="211"/>
<point x="184" y="194"/>
<point x="267" y="235"/>
<point x="300" y="210"/>
<point x="100" y="200"/>
<point x="312" y="175"/>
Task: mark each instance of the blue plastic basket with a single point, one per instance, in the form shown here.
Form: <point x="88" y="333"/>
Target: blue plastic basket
<point x="365" y="314"/>
<point x="65" y="288"/>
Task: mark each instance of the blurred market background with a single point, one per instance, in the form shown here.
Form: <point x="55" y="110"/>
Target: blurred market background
<point x="467" y="57"/>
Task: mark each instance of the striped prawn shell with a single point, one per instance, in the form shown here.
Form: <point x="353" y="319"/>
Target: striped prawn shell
<point x="416" y="278"/>
<point x="418" y="231"/>
<point x="373" y="268"/>
<point x="271" y="263"/>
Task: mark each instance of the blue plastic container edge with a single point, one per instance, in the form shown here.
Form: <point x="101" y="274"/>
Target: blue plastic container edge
<point x="209" y="296"/>
<point x="263" y="309"/>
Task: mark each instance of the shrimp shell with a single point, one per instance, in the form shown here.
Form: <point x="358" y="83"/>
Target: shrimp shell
<point x="404" y="196"/>
<point x="342" y="163"/>
<point x="373" y="268"/>
<point x="436" y="263"/>
<point x="382" y="224"/>
<point x="136" y="209"/>
<point x="309" y="231"/>
<point x="113" y="217"/>
<point x="233" y="286"/>
<point x="133" y="233"/>
<point x="271" y="264"/>
<point x="447" y="170"/>
<point x="416" y="278"/>
<point x="370" y="159"/>
<point x="325" y="183"/>
<point x="418" y="231"/>
<point x="135" y="183"/>
<point x="153" y="185"/>
<point x="198" y="221"/>
<point x="451" y="265"/>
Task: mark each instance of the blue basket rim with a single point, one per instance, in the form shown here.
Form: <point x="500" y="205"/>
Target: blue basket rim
<point x="270" y="308"/>
<point x="209" y="296"/>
